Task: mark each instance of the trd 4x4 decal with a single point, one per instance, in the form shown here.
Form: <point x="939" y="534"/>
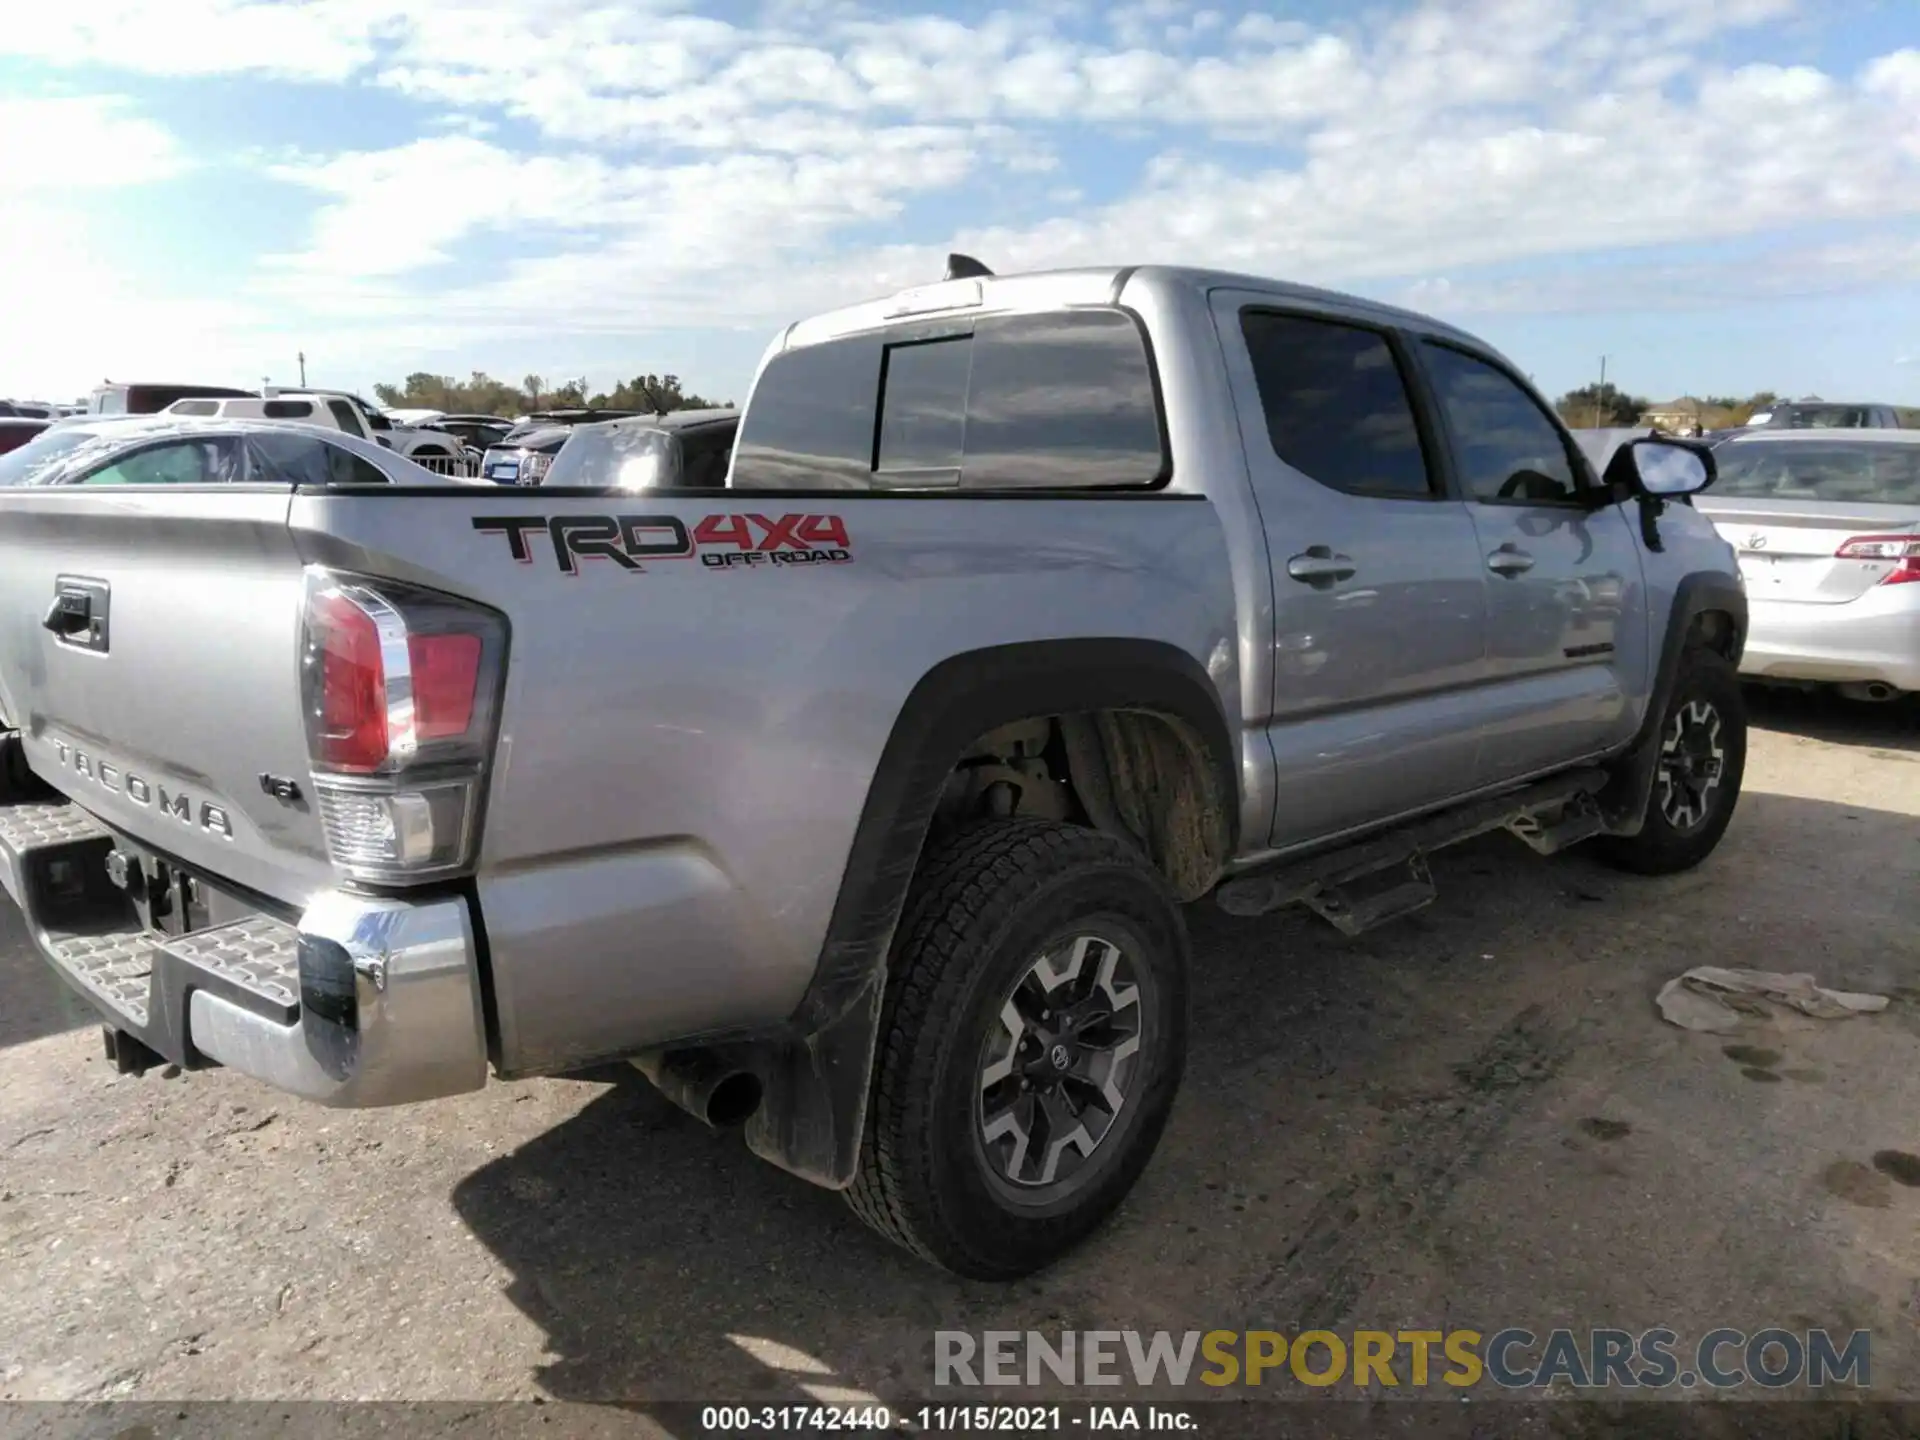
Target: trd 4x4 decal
<point x="721" y="542"/>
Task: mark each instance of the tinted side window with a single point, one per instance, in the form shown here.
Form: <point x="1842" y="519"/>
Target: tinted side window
<point x="1062" y="399"/>
<point x="182" y="462"/>
<point x="809" y="424"/>
<point x="287" y="410"/>
<point x="1336" y="404"/>
<point x="345" y="418"/>
<point x="1504" y="443"/>
<point x="923" y="411"/>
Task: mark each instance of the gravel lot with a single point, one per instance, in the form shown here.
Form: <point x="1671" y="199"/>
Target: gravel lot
<point x="1473" y="1117"/>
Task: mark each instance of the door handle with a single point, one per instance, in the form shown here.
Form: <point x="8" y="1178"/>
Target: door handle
<point x="69" y="614"/>
<point x="1319" y="566"/>
<point x="1509" y="561"/>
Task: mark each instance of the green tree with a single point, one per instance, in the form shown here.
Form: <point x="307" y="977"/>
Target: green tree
<point x="482" y="394"/>
<point x="658" y="393"/>
<point x="1605" y="406"/>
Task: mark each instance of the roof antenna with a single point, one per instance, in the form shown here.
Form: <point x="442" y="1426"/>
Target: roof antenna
<point x="965" y="267"/>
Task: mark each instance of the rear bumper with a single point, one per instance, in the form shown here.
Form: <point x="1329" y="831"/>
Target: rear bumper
<point x="1876" y="637"/>
<point x="361" y="1002"/>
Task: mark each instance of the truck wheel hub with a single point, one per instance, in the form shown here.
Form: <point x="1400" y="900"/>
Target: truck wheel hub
<point x="1692" y="760"/>
<point x="1056" y="1072"/>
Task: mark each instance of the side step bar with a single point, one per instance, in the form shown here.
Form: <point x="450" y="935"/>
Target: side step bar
<point x="1549" y="816"/>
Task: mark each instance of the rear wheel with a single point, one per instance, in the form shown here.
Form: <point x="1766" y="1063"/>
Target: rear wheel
<point x="1703" y="755"/>
<point x="1032" y="1039"/>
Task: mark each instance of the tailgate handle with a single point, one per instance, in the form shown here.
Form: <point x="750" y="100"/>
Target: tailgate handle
<point x="78" y="614"/>
<point x="70" y="613"/>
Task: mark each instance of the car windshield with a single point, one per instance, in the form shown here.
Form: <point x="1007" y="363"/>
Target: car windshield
<point x="624" y="457"/>
<point x="1818" y="417"/>
<point x="1879" y="474"/>
<point x="36" y="462"/>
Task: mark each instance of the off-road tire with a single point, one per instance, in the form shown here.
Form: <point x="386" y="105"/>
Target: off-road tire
<point x="1706" y="678"/>
<point x="981" y="910"/>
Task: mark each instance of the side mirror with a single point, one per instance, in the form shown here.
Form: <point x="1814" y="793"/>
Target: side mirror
<point x="1657" y="468"/>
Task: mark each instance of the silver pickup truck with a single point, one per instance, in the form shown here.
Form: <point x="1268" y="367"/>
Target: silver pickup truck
<point x="856" y="802"/>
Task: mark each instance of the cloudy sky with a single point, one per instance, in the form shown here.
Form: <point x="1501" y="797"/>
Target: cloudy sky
<point x="1719" y="195"/>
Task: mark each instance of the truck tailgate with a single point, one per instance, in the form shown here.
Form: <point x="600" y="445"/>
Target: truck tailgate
<point x="163" y="712"/>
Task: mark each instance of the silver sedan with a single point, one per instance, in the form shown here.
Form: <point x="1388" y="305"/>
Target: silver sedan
<point x="1827" y="526"/>
<point x="187" y="450"/>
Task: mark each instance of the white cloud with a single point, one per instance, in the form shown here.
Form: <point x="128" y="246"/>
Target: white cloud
<point x="306" y="39"/>
<point x="651" y="166"/>
<point x="1786" y="271"/>
<point x="82" y="142"/>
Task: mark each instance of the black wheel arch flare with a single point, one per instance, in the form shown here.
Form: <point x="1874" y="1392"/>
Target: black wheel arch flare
<point x="1699" y="593"/>
<point x="816" y="1081"/>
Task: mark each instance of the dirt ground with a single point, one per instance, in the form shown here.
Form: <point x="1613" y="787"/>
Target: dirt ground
<point x="1474" y="1117"/>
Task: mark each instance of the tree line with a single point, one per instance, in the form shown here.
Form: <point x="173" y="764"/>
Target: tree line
<point x="481" y="394"/>
<point x="1607" y="406"/>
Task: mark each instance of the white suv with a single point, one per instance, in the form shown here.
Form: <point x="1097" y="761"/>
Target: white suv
<point x="338" y="410"/>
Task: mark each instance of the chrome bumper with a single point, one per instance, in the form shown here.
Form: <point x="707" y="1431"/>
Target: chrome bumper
<point x="362" y="1002"/>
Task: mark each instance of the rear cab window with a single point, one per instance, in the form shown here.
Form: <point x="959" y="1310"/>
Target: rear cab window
<point x="1052" y="400"/>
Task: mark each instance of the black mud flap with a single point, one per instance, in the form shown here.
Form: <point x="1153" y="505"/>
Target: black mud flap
<point x="814" y="1109"/>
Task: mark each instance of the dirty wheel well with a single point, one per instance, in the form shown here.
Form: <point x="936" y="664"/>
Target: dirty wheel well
<point x="1143" y="777"/>
<point x="1712" y="630"/>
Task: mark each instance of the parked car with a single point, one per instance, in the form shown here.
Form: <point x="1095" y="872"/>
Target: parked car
<point x="188" y="450"/>
<point x="29" y="410"/>
<point x="1827" y="528"/>
<point x="343" y="411"/>
<point x="476" y="432"/>
<point x="150" y="398"/>
<point x="1825" y="415"/>
<point x="856" y="802"/>
<point x="16" y="431"/>
<point x="522" y="455"/>
<point x="680" y="450"/>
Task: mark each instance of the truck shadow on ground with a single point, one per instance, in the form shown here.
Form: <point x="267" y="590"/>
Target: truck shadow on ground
<point x="665" y="1263"/>
<point x="33" y="1003"/>
<point x="1892" y="725"/>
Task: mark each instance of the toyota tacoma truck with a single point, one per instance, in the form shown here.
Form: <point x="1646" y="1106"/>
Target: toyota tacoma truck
<point x="856" y="802"/>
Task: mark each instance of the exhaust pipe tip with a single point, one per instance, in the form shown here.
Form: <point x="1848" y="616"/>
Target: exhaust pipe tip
<point x="1876" y="691"/>
<point x="718" y="1089"/>
<point x="734" y="1100"/>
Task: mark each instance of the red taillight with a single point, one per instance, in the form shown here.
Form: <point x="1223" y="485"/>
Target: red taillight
<point x="1902" y="550"/>
<point x="352" y="703"/>
<point x="446" y="672"/>
<point x="401" y="688"/>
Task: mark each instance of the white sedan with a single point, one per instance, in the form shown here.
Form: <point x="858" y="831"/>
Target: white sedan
<point x="182" y="450"/>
